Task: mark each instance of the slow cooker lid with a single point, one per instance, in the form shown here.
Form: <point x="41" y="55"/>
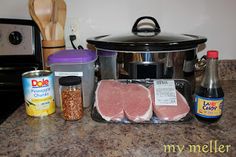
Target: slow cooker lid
<point x="147" y="39"/>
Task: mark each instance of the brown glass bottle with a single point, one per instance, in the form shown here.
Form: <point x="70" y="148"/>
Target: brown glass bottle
<point x="209" y="97"/>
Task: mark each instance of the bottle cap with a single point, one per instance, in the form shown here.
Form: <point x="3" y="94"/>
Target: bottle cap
<point x="212" y="54"/>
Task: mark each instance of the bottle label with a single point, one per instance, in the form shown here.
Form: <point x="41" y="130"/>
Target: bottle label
<point x="208" y="107"/>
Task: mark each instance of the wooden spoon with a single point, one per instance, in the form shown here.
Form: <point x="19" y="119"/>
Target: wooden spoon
<point x="62" y="13"/>
<point x="43" y="10"/>
<point x="54" y="28"/>
<point x="54" y="31"/>
<point x="35" y="18"/>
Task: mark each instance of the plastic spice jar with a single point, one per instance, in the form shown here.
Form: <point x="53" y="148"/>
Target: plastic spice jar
<point x="71" y="97"/>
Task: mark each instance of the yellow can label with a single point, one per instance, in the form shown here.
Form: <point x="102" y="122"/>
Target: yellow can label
<point x="39" y="95"/>
<point x="208" y="107"/>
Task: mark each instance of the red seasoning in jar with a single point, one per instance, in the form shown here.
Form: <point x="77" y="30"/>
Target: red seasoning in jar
<point x="71" y="97"/>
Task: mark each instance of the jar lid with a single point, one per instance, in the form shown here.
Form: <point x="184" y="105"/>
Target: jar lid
<point x="72" y="56"/>
<point x="69" y="80"/>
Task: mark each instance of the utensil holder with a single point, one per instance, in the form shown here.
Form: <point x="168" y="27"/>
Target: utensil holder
<point x="50" y="47"/>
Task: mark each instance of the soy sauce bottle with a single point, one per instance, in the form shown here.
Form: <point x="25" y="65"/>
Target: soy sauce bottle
<point x="209" y="97"/>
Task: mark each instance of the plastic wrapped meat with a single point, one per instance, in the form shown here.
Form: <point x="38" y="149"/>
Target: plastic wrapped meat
<point x="115" y="101"/>
<point x="170" y="113"/>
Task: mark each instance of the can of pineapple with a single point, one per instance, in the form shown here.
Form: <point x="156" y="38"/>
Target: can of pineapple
<point x="38" y="92"/>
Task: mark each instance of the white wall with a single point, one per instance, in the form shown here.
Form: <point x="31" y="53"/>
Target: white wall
<point x="214" y="19"/>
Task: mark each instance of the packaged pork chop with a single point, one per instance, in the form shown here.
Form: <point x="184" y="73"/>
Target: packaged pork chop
<point x="133" y="101"/>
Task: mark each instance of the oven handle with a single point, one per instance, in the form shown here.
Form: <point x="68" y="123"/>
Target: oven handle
<point x="19" y="68"/>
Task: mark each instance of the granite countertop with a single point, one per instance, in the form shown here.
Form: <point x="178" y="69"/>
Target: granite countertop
<point x="21" y="135"/>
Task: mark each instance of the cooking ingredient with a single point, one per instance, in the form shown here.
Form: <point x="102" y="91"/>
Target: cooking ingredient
<point x="71" y="97"/>
<point x="72" y="104"/>
<point x="38" y="92"/>
<point x="109" y="102"/>
<point x="138" y="104"/>
<point x="170" y="113"/>
<point x="116" y="100"/>
<point x="209" y="98"/>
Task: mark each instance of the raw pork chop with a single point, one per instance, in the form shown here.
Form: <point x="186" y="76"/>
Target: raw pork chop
<point x="109" y="101"/>
<point x="138" y="104"/>
<point x="170" y="113"/>
<point x="115" y="100"/>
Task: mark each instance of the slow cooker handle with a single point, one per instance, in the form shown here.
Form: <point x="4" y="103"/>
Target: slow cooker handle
<point x="156" y="28"/>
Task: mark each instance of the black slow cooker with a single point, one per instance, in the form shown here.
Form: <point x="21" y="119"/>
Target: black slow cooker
<point x="146" y="52"/>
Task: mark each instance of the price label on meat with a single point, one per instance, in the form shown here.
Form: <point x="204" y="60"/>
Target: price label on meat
<point x="165" y="93"/>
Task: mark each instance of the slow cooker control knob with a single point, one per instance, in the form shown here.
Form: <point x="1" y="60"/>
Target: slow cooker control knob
<point x="15" y="38"/>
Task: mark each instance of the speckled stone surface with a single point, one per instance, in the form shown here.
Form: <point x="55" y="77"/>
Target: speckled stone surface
<point x="227" y="69"/>
<point x="21" y="135"/>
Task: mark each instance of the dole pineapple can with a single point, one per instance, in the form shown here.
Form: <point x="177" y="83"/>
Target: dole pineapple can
<point x="38" y="92"/>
